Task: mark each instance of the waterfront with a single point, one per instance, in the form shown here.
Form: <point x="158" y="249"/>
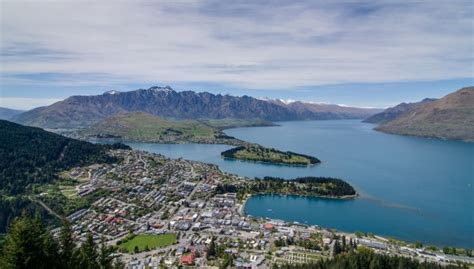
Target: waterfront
<point x="412" y="188"/>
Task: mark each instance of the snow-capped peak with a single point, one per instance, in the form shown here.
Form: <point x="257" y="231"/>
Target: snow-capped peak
<point x="112" y="92"/>
<point x="286" y="101"/>
<point x="161" y="89"/>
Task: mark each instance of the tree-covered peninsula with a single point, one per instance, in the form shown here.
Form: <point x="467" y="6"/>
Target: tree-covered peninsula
<point x="257" y="153"/>
<point x="305" y="186"/>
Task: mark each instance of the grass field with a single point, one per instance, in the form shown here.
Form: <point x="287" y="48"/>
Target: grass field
<point x="150" y="240"/>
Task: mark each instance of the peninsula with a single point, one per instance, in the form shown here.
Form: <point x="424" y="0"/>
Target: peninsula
<point x="144" y="127"/>
<point x="304" y="186"/>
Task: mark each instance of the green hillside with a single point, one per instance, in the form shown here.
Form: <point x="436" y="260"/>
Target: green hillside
<point x="139" y="126"/>
<point x="32" y="157"/>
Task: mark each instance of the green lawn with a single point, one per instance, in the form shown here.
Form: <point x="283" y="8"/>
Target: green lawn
<point x="150" y="240"/>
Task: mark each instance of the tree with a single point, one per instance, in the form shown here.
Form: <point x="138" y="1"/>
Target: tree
<point x="88" y="254"/>
<point x="337" y="247"/>
<point x="23" y="247"/>
<point x="51" y="251"/>
<point x="29" y="245"/>
<point x="105" y="258"/>
<point x="67" y="245"/>
<point x="136" y="249"/>
<point x="227" y="261"/>
<point x="211" y="252"/>
<point x="344" y="243"/>
<point x="375" y="264"/>
<point x="468" y="252"/>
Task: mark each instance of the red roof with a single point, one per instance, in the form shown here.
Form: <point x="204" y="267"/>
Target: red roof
<point x="188" y="259"/>
<point x="268" y="226"/>
<point x="110" y="218"/>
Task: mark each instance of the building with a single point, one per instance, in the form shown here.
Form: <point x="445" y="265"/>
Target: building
<point x="188" y="259"/>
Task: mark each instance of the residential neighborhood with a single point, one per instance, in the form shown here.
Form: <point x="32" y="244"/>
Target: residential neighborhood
<point x="150" y="196"/>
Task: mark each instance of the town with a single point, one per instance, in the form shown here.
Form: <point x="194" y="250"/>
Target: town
<point x="165" y="213"/>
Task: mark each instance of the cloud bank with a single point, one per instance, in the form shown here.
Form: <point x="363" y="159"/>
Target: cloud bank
<point x="248" y="44"/>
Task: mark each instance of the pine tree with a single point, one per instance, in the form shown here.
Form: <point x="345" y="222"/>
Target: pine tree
<point x="67" y="245"/>
<point x="105" y="258"/>
<point x="344" y="243"/>
<point x="23" y="244"/>
<point x="337" y="247"/>
<point x="88" y="254"/>
<point x="51" y="251"/>
<point x="211" y="252"/>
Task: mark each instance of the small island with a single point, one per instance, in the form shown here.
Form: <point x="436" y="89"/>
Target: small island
<point x="257" y="153"/>
<point x="305" y="186"/>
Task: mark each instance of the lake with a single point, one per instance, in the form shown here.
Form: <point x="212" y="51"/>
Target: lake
<point x="414" y="189"/>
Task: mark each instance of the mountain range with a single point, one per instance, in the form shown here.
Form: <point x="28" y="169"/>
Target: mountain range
<point x="84" y="111"/>
<point x="451" y="117"/>
<point x="311" y="110"/>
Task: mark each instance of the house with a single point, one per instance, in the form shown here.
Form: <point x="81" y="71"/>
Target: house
<point x="268" y="226"/>
<point x="188" y="259"/>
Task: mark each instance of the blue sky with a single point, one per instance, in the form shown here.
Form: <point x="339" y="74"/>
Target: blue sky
<point x="360" y="53"/>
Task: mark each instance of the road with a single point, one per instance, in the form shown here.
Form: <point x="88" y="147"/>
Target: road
<point x="45" y="207"/>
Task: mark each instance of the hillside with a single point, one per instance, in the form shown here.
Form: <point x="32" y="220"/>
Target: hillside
<point x="451" y="117"/>
<point x="140" y="126"/>
<point x="83" y="111"/>
<point x="392" y="113"/>
<point x="8" y="113"/>
<point x="33" y="156"/>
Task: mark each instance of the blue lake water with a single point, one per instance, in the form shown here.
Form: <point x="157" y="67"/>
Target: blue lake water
<point x="412" y="188"/>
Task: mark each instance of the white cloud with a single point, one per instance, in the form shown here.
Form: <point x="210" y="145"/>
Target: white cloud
<point x="239" y="44"/>
<point x="23" y="103"/>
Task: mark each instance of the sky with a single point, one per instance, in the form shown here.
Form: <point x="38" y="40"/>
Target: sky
<point x="358" y="53"/>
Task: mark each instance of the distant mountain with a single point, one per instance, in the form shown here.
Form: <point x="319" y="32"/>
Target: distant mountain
<point x="84" y="111"/>
<point x="451" y="117"/>
<point x="392" y="113"/>
<point x="8" y="113"/>
<point x="309" y="110"/>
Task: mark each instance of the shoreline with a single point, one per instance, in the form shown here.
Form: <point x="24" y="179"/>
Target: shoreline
<point x="367" y="234"/>
<point x="248" y="196"/>
<point x="175" y="142"/>
<point x="270" y="163"/>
